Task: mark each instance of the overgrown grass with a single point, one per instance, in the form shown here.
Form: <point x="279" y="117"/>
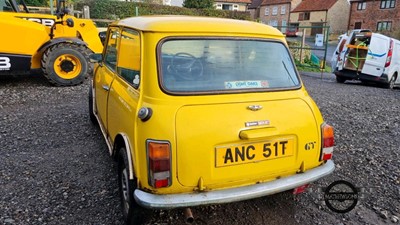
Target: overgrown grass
<point x="308" y="66"/>
<point x="304" y="68"/>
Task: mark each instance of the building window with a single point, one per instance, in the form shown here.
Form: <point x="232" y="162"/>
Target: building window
<point x="384" y="25"/>
<point x="266" y="11"/>
<point x="227" y="7"/>
<point x="275" y="10"/>
<point x="386" y="4"/>
<point x="283" y="10"/>
<point x="361" y="5"/>
<point x="273" y="23"/>
<point x="357" y="25"/>
<point x="304" y="16"/>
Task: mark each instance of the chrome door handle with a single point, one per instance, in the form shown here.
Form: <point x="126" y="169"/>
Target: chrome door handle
<point x="106" y="87"/>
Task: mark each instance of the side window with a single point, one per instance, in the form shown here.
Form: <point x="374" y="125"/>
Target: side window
<point x="110" y="55"/>
<point x="5" y="6"/>
<point x="129" y="57"/>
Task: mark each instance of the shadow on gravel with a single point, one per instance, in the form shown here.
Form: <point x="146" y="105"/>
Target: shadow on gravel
<point x="274" y="209"/>
<point x="35" y="79"/>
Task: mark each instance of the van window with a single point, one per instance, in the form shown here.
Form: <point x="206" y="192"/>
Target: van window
<point x="225" y="65"/>
<point x="110" y="57"/>
<point x="129" y="57"/>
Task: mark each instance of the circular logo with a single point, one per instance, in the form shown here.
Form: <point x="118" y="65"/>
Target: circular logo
<point x="341" y="196"/>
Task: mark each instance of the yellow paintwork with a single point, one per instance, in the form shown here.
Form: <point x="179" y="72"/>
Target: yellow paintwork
<point x="198" y="126"/>
<point x="26" y="37"/>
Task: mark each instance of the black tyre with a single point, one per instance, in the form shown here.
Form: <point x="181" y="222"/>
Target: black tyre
<point x="66" y="64"/>
<point x="91" y="108"/>
<point x="390" y="85"/>
<point x="340" y="79"/>
<point x="130" y="208"/>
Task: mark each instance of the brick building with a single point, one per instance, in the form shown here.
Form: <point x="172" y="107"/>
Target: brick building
<point x="254" y="9"/>
<point x="318" y="13"/>
<point x="374" y="15"/>
<point x="277" y="12"/>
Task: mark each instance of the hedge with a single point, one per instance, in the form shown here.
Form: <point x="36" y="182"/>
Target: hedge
<point x="107" y="9"/>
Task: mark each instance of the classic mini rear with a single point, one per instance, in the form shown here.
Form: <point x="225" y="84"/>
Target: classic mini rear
<point x="204" y="111"/>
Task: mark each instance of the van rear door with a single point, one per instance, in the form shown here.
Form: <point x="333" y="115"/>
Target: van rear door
<point x="377" y="52"/>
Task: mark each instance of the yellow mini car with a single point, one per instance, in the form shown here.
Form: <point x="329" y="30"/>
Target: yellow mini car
<point x="204" y="111"/>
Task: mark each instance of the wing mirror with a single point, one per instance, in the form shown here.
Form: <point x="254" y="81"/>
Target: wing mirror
<point x="96" y="58"/>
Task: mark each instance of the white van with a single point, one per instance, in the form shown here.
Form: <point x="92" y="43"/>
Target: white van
<point x="369" y="57"/>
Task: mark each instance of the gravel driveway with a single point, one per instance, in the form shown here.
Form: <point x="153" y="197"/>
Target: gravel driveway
<point x="55" y="168"/>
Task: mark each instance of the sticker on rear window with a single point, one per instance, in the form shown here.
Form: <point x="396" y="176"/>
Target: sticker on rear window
<point x="246" y="84"/>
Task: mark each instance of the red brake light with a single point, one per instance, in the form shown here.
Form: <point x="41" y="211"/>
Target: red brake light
<point x="328" y="141"/>
<point x="390" y="53"/>
<point x="159" y="163"/>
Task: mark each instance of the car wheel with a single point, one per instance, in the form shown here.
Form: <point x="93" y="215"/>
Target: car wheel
<point x="390" y="85"/>
<point x="340" y="79"/>
<point x="130" y="209"/>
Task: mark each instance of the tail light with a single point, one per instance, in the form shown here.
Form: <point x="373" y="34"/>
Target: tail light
<point x="159" y="163"/>
<point x="390" y="53"/>
<point x="328" y="141"/>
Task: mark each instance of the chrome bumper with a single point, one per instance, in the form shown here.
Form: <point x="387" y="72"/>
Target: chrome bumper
<point x="154" y="201"/>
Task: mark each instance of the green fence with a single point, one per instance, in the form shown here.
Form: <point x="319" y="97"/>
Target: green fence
<point x="309" y="49"/>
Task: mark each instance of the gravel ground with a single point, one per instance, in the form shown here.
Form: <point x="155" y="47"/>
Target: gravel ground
<point x="55" y="168"/>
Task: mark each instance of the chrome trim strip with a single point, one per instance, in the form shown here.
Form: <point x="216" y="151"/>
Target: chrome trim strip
<point x="169" y="201"/>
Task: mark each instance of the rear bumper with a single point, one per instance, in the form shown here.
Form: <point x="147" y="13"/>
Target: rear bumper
<point x="353" y="75"/>
<point x="154" y="201"/>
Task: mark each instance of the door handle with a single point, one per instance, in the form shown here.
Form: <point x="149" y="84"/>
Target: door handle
<point x="106" y="87"/>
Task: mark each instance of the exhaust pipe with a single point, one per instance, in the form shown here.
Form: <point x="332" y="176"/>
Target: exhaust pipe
<point x="189" y="216"/>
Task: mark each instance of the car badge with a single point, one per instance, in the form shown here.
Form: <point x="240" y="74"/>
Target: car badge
<point x="254" y="107"/>
<point x="257" y="123"/>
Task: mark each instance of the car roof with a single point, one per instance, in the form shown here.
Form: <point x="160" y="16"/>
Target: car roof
<point x="189" y="24"/>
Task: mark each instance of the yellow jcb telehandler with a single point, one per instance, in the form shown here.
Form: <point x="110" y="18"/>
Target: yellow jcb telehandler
<point x="57" y="45"/>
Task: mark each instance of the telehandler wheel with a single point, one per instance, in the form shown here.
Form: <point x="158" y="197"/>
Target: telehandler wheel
<point x="66" y="64"/>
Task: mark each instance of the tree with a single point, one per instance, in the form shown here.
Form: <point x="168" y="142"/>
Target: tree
<point x="199" y="4"/>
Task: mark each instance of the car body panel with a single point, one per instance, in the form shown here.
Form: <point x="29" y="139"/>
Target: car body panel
<point x="222" y="125"/>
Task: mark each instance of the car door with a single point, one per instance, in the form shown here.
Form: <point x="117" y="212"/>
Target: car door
<point x="377" y="52"/>
<point x="124" y="93"/>
<point x="105" y="75"/>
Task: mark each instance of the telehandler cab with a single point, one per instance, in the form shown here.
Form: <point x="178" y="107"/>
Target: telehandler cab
<point x="57" y="45"/>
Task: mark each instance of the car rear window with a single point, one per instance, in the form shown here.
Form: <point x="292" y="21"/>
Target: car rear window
<point x="225" y="65"/>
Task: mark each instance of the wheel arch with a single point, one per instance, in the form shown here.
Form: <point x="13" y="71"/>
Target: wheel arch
<point x="121" y="140"/>
<point x="56" y="41"/>
<point x="37" y="56"/>
<point x="395" y="74"/>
